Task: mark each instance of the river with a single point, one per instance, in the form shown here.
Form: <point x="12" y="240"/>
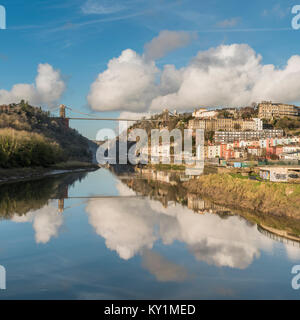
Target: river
<point x="97" y="235"/>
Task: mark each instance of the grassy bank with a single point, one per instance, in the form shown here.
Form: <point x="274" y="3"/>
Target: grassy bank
<point x="166" y="167"/>
<point x="265" y="197"/>
<point x="20" y="174"/>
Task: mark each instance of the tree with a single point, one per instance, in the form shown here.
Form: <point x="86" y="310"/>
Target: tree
<point x="224" y="114"/>
<point x="209" y="135"/>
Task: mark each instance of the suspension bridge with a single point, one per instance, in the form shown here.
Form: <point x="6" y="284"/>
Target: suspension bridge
<point x="91" y="117"/>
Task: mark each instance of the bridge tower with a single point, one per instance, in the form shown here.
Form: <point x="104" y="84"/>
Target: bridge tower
<point x="64" y="193"/>
<point x="62" y="114"/>
<point x="166" y="117"/>
<point x="61" y="205"/>
<point x="62" y="111"/>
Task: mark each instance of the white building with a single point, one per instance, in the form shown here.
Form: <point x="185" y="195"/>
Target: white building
<point x="209" y="114"/>
<point x="204" y="113"/>
<point x="290" y="156"/>
<point x="258" y="124"/>
<point x="263" y="143"/>
<point x="290" y="149"/>
<point x="245" y="143"/>
<point x="230" y="146"/>
<point x="255" y="151"/>
<point x="239" y="154"/>
<point x="213" y="151"/>
<point x="197" y="112"/>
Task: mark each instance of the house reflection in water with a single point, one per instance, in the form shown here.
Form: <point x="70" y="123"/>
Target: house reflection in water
<point x="203" y="206"/>
<point x="166" y="187"/>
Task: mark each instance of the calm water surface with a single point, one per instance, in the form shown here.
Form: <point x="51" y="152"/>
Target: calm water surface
<point x="104" y="240"/>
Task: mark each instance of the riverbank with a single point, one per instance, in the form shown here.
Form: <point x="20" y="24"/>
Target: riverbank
<point x="32" y="173"/>
<point x="265" y="197"/>
<point x="282" y="226"/>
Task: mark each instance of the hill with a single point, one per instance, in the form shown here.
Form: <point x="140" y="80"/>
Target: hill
<point x="29" y="137"/>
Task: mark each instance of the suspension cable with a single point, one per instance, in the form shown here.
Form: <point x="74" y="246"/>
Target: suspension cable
<point x="77" y="111"/>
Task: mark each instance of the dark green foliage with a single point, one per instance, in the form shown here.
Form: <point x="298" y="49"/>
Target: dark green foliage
<point x="223" y="114"/>
<point x="286" y="123"/>
<point x="209" y="135"/>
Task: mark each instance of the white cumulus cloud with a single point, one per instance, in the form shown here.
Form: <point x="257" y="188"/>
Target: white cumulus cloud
<point x="232" y="75"/>
<point x="128" y="84"/>
<point x="228" y="75"/>
<point x="47" y="89"/>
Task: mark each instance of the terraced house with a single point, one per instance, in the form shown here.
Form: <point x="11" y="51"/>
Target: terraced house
<point x="226" y="124"/>
<point x="269" y="110"/>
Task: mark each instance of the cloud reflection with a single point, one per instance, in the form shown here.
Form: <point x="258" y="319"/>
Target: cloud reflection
<point x="162" y="269"/>
<point x="46" y="222"/>
<point x="130" y="227"/>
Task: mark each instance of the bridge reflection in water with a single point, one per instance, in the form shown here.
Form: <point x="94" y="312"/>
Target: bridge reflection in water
<point x="65" y="196"/>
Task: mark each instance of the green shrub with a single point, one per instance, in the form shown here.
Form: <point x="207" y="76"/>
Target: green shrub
<point x="24" y="149"/>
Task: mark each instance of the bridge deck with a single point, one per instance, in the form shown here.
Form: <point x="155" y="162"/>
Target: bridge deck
<point x="109" y="119"/>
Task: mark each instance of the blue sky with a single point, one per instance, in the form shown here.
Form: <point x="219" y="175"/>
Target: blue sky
<point x="79" y="37"/>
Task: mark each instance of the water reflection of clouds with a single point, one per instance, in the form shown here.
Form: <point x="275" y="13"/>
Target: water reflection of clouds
<point x="162" y="269"/>
<point x="131" y="226"/>
<point x="126" y="225"/>
<point x="46" y="222"/>
<point x="293" y="253"/>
